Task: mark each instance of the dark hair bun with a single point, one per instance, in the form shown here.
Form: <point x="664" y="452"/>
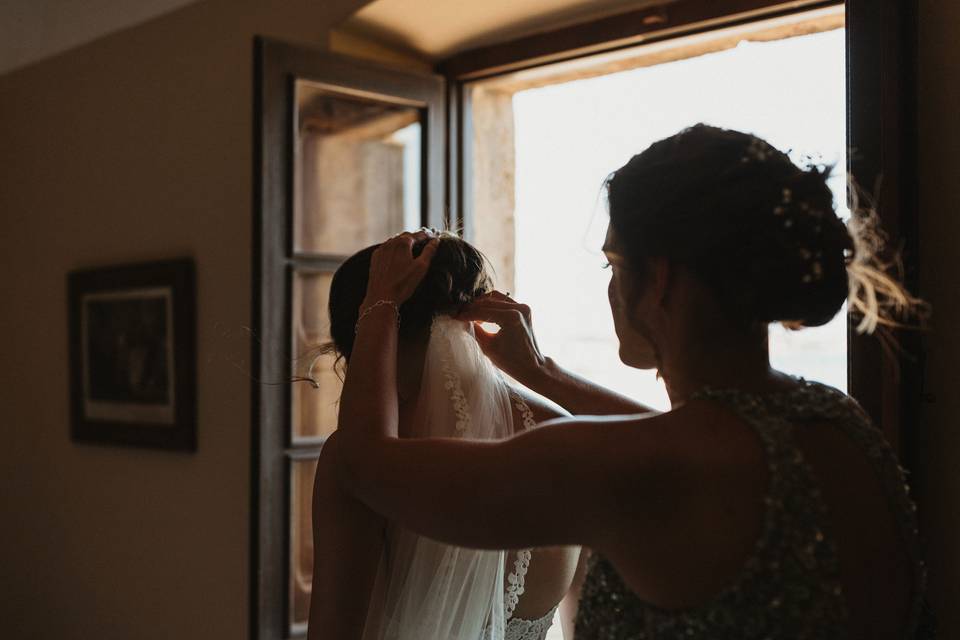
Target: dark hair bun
<point x="456" y="276"/>
<point x="760" y="231"/>
<point x="799" y="274"/>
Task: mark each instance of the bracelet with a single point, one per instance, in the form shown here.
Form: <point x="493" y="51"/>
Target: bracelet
<point x="390" y="303"/>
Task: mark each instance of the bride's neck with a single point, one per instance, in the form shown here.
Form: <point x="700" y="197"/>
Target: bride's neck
<point x="410" y="357"/>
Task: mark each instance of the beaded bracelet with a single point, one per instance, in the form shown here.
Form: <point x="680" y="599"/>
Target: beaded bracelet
<point x="376" y="304"/>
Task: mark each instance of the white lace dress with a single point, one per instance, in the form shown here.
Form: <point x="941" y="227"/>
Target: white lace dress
<point x="518" y="628"/>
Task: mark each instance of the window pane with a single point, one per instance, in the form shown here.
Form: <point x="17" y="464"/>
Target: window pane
<point x="357" y="170"/>
<point x="313" y="411"/>
<point x="301" y="539"/>
<point x="538" y="196"/>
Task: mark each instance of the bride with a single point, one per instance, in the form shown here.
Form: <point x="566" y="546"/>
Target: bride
<point x="421" y="589"/>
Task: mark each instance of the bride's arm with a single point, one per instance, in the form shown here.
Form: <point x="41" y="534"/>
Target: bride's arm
<point x="570" y="604"/>
<point x="347" y="544"/>
<point x="514" y="350"/>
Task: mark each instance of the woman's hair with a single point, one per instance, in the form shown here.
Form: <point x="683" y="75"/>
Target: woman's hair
<point x="457" y="275"/>
<point x="759" y="231"/>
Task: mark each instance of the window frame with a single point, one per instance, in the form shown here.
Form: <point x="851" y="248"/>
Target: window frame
<point x="881" y="126"/>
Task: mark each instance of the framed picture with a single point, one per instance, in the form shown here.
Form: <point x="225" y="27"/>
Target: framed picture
<point x="132" y="332"/>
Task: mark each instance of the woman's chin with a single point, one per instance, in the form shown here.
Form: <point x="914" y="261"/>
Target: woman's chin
<point x="637" y="360"/>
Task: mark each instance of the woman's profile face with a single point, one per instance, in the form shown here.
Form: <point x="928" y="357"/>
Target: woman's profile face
<point x="630" y="307"/>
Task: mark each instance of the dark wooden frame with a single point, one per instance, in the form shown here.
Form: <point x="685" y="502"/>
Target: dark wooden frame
<point x="277" y="66"/>
<point x="627" y="29"/>
<point x="882" y="137"/>
<point x="179" y="276"/>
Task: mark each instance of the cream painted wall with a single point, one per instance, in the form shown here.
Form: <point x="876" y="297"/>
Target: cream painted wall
<point x="938" y="467"/>
<point x="133" y="147"/>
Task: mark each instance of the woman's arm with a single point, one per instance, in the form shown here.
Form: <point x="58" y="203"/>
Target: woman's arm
<point x="567" y="482"/>
<point x="509" y="494"/>
<point x="347" y="544"/>
<point x="578" y="395"/>
<point x="514" y="350"/>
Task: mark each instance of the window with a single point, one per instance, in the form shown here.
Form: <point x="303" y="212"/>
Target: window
<point x="349" y="152"/>
<point x="572" y="123"/>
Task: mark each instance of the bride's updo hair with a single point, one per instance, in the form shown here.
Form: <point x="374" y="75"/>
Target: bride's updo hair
<point x="759" y="231"/>
<point x="457" y="274"/>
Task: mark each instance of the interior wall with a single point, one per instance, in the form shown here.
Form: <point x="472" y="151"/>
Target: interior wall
<point x="134" y="147"/>
<point x="938" y="483"/>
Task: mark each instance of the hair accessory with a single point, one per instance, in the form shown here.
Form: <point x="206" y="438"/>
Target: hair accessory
<point x="378" y="303"/>
<point x="758" y="151"/>
<point x="789" y="210"/>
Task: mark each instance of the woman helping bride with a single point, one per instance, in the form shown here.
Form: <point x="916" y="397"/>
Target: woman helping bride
<point x="421" y="589"/>
<point x="760" y="505"/>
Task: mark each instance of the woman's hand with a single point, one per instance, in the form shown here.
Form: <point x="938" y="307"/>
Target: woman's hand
<point x="394" y="272"/>
<point x="514" y="348"/>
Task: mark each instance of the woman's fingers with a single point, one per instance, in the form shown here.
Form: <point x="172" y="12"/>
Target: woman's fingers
<point x="499" y="295"/>
<point x="489" y="313"/>
<point x="481" y="306"/>
<point x="426" y="256"/>
<point x="409" y="238"/>
<point x="478" y="305"/>
<point x="394" y="271"/>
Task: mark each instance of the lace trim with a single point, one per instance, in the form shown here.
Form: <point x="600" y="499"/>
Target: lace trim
<point x="520" y="629"/>
<point x="515" y="582"/>
<point x="525" y="412"/>
<point x="455" y="387"/>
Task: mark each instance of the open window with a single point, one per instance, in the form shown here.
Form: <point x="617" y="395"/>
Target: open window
<point x="349" y="151"/>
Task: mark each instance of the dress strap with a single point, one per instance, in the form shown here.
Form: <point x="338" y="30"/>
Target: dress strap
<point x="526" y="414"/>
<point x="515" y="582"/>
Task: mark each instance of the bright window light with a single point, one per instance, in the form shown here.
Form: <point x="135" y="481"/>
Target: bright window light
<point x="570" y="136"/>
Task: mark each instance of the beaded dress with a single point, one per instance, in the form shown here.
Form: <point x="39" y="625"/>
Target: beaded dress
<point x="790" y="587"/>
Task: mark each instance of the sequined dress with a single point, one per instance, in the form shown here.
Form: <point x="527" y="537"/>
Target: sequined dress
<point x="790" y="587"/>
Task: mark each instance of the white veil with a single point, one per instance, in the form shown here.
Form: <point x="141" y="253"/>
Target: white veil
<point x="427" y="590"/>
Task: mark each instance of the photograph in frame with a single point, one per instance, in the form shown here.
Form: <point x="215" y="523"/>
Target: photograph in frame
<point x="132" y="331"/>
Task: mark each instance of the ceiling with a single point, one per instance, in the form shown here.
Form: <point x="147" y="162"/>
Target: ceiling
<point x="31" y="30"/>
<point x="436" y="29"/>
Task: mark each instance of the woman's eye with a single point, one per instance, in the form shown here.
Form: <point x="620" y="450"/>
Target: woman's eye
<point x="605" y="265"/>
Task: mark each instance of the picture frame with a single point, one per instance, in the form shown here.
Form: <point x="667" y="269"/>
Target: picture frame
<point x="132" y="337"/>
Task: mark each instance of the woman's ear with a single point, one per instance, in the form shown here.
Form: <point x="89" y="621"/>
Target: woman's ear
<point x="660" y="279"/>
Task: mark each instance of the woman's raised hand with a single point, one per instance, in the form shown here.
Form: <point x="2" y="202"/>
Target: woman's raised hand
<point x="394" y="272"/>
<point x="514" y="348"/>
